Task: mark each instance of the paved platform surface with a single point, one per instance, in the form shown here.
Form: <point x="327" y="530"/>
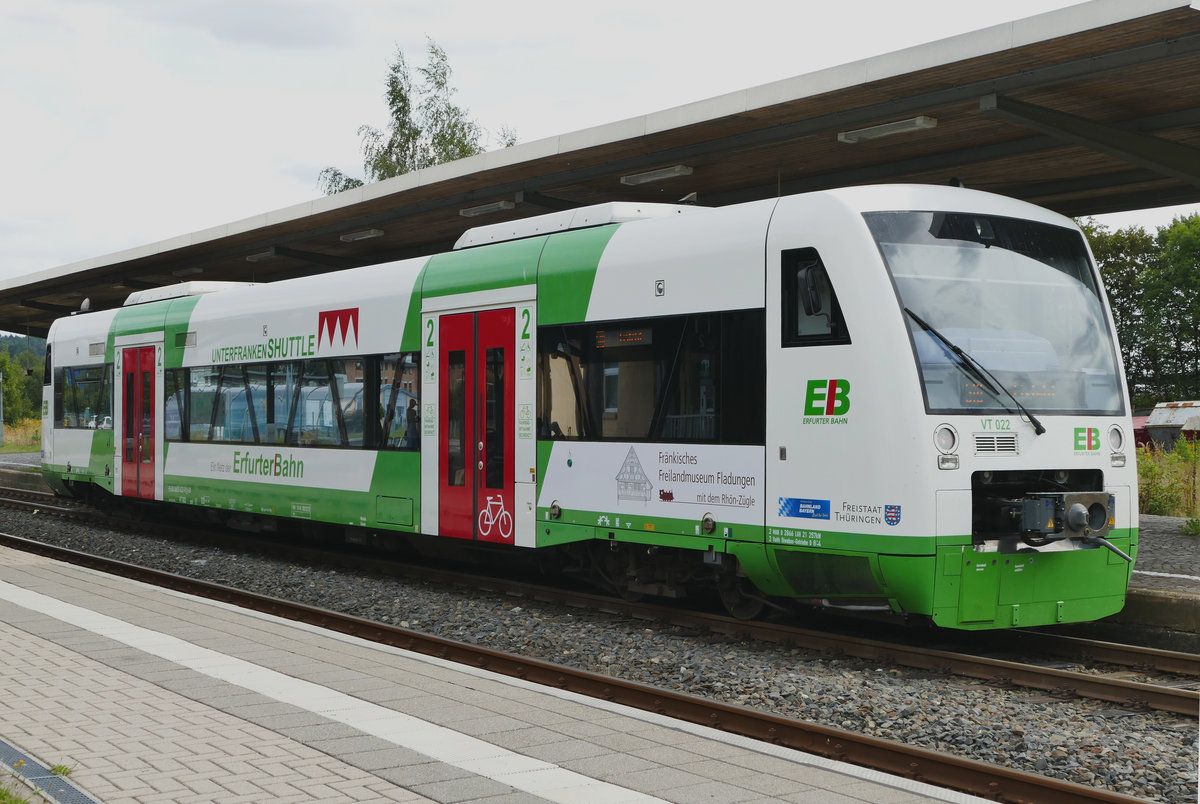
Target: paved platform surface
<point x="155" y="696"/>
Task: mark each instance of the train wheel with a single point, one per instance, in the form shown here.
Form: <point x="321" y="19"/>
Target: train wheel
<point x="742" y="600"/>
<point x="611" y="563"/>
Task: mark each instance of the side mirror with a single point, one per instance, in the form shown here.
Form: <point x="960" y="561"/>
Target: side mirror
<point x="808" y="289"/>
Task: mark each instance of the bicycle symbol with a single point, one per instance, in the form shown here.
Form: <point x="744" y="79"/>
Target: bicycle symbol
<point x="494" y="514"/>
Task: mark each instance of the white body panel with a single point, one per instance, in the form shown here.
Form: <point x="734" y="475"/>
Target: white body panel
<point x="344" y="470"/>
<point x="75" y="342"/>
<point x="658" y="480"/>
<point x="431" y="454"/>
<point x="69" y="447"/>
<point x="524" y="406"/>
<point x="72" y="338"/>
<point x="305" y="318"/>
<point x="708" y="260"/>
<point x="857" y="463"/>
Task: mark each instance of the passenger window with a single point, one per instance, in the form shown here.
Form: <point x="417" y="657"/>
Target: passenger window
<point x="349" y="387"/>
<point x="456" y="418"/>
<point x="203" y="402"/>
<point x="283" y="386"/>
<point x="317" y="414"/>
<point x="681" y="379"/>
<point x="811" y="313"/>
<point x="175" y="385"/>
<point x="235" y="420"/>
<point x="400" y="401"/>
<point x="83" y="398"/>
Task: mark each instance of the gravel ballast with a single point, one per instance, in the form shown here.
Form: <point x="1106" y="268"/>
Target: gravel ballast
<point x="1151" y="755"/>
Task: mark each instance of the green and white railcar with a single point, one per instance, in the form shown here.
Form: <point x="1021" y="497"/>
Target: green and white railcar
<point x="906" y="397"/>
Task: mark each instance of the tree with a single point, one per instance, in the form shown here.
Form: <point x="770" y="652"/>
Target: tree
<point x="424" y="129"/>
<point x="16" y="403"/>
<point x="1153" y="284"/>
<point x="32" y="366"/>
<point x="1124" y="256"/>
<point x="1173" y="306"/>
<point x="22" y="376"/>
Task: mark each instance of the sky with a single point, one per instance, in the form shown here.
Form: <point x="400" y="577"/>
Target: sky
<point x="126" y="122"/>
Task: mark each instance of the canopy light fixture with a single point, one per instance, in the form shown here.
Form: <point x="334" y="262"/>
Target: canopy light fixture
<point x="260" y="256"/>
<point x="365" y="234"/>
<point x="192" y="271"/>
<point x="661" y="174"/>
<point x="484" y="209"/>
<point x="888" y="129"/>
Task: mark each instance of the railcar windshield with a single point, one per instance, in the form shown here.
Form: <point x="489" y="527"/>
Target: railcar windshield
<point x="1020" y="297"/>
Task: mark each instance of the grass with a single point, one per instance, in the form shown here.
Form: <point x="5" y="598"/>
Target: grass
<point x="23" y="437"/>
<point x="7" y="796"/>
<point x="10" y="786"/>
<point x="1169" y="482"/>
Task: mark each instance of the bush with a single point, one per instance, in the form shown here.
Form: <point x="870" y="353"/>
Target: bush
<point x="1167" y="479"/>
<point x="24" y="436"/>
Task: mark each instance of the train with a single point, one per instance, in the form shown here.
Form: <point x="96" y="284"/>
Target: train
<point x="895" y="398"/>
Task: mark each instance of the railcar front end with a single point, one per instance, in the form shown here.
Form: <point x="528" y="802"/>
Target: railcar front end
<point x="953" y="375"/>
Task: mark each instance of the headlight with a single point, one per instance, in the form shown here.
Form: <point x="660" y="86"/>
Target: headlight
<point x="945" y="438"/>
<point x="1116" y="438"/>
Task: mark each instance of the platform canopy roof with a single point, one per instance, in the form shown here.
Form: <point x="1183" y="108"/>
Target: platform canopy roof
<point x="1090" y="109"/>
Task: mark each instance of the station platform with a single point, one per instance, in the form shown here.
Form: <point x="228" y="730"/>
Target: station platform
<point x="1164" y="591"/>
<point x="156" y="696"/>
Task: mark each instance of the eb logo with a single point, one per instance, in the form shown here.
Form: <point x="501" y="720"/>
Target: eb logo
<point x="827" y="398"/>
<point x="1087" y="439"/>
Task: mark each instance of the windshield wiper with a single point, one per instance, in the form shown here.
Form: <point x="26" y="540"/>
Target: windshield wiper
<point x="978" y="371"/>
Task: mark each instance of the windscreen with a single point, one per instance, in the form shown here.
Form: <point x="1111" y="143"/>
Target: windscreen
<point x="1020" y="297"/>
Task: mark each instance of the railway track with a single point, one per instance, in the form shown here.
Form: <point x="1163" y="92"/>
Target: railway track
<point x="1177" y="695"/>
<point x="1176" y="692"/>
<point x="29" y="500"/>
<point x="937" y="768"/>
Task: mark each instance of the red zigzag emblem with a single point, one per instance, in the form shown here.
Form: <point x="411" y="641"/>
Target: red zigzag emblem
<point x="335" y="321"/>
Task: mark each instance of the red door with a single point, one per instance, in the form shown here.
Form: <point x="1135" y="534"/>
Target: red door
<point x="137" y="430"/>
<point x="476" y="404"/>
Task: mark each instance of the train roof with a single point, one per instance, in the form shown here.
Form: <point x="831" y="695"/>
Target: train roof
<point x="583" y="218"/>
<point x="180" y="290"/>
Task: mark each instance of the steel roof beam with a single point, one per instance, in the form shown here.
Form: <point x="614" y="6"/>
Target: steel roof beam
<point x="1162" y="156"/>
